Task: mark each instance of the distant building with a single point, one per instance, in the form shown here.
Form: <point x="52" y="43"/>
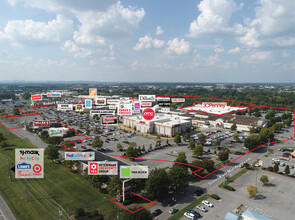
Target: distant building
<point x="225" y="86"/>
<point x="232" y="216"/>
<point x="246" y="215"/>
<point x="293" y="155"/>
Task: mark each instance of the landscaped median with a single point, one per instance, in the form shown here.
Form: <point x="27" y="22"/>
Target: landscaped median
<point x="231" y="179"/>
<point x="180" y="213"/>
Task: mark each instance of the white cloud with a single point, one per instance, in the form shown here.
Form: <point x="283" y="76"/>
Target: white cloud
<point x="159" y="30"/>
<point x="219" y="50"/>
<point x="214" y="17"/>
<point x="274" y="21"/>
<point x="205" y="61"/>
<point x="178" y="47"/>
<point x="29" y="32"/>
<point x="257" y="56"/>
<point x="77" y="51"/>
<point x="234" y="50"/>
<point x="147" y="42"/>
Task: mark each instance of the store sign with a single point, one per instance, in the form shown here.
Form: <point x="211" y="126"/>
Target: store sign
<point x="136" y="105"/>
<point x="109" y="120"/>
<point x="178" y="100"/>
<point x="56" y="132"/>
<point x="103" y="168"/>
<point x="54" y="94"/>
<point x="146" y="104"/>
<point x="29" y="163"/>
<point x="163" y="99"/>
<point x="164" y="103"/>
<point x="136" y="112"/>
<point x="93" y="92"/>
<point x="79" y="107"/>
<point x="88" y="103"/>
<point x="36" y="97"/>
<point x="64" y="107"/>
<point x="124" y="99"/>
<point x="114" y="107"/>
<point x="41" y="123"/>
<point x="100" y="101"/>
<point x="113" y="101"/>
<point x="138" y="172"/>
<point x="125" y="111"/>
<point x="80" y="156"/>
<point x="219" y="105"/>
<point x="147" y="98"/>
<point x="165" y="109"/>
<point x="148" y="114"/>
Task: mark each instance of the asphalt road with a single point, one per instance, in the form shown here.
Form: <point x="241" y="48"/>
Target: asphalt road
<point x="5" y="212"/>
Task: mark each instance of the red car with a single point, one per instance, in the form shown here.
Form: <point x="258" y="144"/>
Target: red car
<point x="89" y="144"/>
<point x="231" y="145"/>
<point x="83" y="147"/>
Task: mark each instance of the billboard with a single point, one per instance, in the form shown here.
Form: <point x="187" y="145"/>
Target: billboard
<point x="93" y="92"/>
<point x="109" y="120"/>
<point x="138" y="172"/>
<point x="41" y="123"/>
<point x="29" y="163"/>
<point x="100" y="101"/>
<point x="64" y="107"/>
<point x="79" y="155"/>
<point x="178" y="100"/>
<point x="146" y="104"/>
<point x="147" y="98"/>
<point x="79" y="107"/>
<point x="56" y="132"/>
<point x="88" y="103"/>
<point x="36" y="97"/>
<point x="103" y="168"/>
<point x="53" y="94"/>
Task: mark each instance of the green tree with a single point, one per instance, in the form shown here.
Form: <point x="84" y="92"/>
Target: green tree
<point x="2" y="138"/>
<point x="217" y="142"/>
<point x="119" y="146"/>
<point x="202" y="138"/>
<point x="15" y="111"/>
<point x="223" y="155"/>
<point x="288" y="121"/>
<point x="236" y="137"/>
<point x="143" y="214"/>
<point x="252" y="190"/>
<point x="177" y="139"/>
<point x="252" y="141"/>
<point x="158" y="183"/>
<point x="287" y="170"/>
<point x="87" y="126"/>
<point x="80" y="125"/>
<point x="186" y="136"/>
<point x="191" y="145"/>
<point x="257" y="114"/>
<point x="266" y="135"/>
<point x="264" y="180"/>
<point x="97" y="144"/>
<point x="115" y="186"/>
<point x="198" y="150"/>
<point x="130" y="152"/>
<point x="276" y="167"/>
<point x="87" y="132"/>
<point x="233" y="127"/>
<point x="253" y="130"/>
<point x="270" y="114"/>
<point x="79" y="212"/>
<point x="95" y="130"/>
<point x="179" y="175"/>
<point x="52" y="152"/>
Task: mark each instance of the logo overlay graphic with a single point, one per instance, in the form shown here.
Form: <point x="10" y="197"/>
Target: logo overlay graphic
<point x="103" y="168"/>
<point x="80" y="156"/>
<point x="29" y="163"/>
<point x="148" y="114"/>
<point x="138" y="172"/>
<point x="93" y="92"/>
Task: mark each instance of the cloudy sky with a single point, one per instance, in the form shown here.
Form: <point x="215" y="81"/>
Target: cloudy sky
<point x="148" y="40"/>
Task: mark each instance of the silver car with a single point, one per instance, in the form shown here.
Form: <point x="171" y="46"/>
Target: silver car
<point x="201" y="208"/>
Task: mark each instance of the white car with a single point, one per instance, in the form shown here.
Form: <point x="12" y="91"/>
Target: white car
<point x="206" y="203"/>
<point x="189" y="215"/>
<point x="201" y="208"/>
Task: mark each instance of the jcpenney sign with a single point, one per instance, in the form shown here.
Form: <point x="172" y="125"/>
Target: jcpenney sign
<point x="147" y="98"/>
<point x="214" y="105"/>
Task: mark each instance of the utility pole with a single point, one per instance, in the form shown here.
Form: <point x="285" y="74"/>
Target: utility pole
<point x="9" y="170"/>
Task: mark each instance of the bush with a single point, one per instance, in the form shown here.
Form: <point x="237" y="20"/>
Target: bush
<point x="230" y="188"/>
<point x="214" y="196"/>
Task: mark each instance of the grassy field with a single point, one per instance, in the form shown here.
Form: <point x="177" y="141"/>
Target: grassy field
<point x="60" y="188"/>
<point x="180" y="213"/>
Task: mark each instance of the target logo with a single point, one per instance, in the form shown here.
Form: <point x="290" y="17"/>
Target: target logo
<point x="93" y="168"/>
<point x="148" y="114"/>
<point x="37" y="168"/>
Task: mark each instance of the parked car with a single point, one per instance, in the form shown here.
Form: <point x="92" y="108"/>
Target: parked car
<point x="201" y="208"/>
<point x="173" y="211"/>
<point x="157" y="212"/>
<point x="207" y="203"/>
<point x="195" y="213"/>
<point x="83" y="147"/>
<point x="198" y="192"/>
<point x="189" y="215"/>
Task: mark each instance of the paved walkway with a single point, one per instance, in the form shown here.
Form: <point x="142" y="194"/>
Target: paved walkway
<point x="5" y="212"/>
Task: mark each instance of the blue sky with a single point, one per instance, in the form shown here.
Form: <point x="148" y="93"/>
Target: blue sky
<point x="148" y="40"/>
